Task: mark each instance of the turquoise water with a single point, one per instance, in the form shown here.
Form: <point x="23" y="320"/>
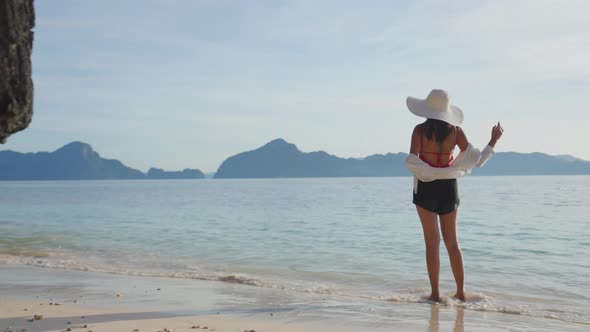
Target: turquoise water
<point x="525" y="240"/>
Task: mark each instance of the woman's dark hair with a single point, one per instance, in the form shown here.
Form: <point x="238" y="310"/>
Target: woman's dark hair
<point x="437" y="129"/>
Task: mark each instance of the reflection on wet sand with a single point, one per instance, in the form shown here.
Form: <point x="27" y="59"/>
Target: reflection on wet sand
<point x="434" y="323"/>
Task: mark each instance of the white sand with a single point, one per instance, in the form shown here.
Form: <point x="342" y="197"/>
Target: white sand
<point x="17" y="314"/>
<point x="105" y="302"/>
<point x="89" y="302"/>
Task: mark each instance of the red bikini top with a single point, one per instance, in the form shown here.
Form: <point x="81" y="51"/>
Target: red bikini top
<point x="438" y="156"/>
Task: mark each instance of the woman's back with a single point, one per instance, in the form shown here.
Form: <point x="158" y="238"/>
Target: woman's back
<point x="436" y="142"/>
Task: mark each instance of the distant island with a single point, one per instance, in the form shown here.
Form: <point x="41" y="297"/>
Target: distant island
<point x="280" y="159"/>
<point x="187" y="173"/>
<point x="276" y="159"/>
<point x="77" y="161"/>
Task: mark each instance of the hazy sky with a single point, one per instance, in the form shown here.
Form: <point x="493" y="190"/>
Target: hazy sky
<point x="178" y="84"/>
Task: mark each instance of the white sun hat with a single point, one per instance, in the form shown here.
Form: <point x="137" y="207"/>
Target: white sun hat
<point x="436" y="106"/>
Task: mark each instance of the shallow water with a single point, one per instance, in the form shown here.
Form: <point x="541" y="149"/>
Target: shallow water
<point x="525" y="240"/>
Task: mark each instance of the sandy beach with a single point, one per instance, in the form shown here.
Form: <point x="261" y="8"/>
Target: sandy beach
<point x="40" y="299"/>
<point x="19" y="315"/>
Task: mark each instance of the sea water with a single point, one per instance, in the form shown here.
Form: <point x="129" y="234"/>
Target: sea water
<point x="525" y="240"/>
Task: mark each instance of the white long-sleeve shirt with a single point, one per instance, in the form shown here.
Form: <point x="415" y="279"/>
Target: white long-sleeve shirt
<point x="460" y="167"/>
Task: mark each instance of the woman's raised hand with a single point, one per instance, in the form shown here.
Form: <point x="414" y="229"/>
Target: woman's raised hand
<point x="497" y="132"/>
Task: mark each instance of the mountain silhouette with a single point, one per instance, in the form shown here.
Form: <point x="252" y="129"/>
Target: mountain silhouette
<point x="536" y="163"/>
<point x="75" y="161"/>
<point x="280" y="159"/>
<point x="276" y="159"/>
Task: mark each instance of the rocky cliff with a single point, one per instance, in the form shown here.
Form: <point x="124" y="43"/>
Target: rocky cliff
<point x="17" y="19"/>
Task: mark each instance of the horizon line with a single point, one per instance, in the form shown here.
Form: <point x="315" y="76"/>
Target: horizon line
<point x="282" y="139"/>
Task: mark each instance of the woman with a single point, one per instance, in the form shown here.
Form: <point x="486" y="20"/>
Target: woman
<point x="435" y="182"/>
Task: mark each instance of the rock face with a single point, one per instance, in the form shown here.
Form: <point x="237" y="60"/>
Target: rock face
<point x="17" y="19"/>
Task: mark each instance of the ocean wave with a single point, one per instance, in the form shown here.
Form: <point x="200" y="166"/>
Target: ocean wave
<point x="234" y="279"/>
<point x="486" y="303"/>
<point x="15" y="252"/>
<point x="72" y="262"/>
<point x="62" y="261"/>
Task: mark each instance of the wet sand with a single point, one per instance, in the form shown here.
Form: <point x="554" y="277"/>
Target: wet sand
<point x="64" y="300"/>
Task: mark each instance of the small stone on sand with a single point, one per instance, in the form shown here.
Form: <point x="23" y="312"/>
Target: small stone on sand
<point x="37" y="317"/>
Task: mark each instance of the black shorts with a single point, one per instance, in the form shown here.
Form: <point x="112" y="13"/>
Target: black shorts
<point x="438" y="196"/>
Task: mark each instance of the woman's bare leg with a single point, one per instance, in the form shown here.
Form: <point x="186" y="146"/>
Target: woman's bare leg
<point x="448" y="226"/>
<point x="432" y="241"/>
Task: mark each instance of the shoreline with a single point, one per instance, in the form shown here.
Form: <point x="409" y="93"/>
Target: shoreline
<point x="110" y="302"/>
<point x="126" y="303"/>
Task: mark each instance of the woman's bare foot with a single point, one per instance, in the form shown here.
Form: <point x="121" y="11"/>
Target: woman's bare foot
<point x="459" y="296"/>
<point x="434" y="298"/>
